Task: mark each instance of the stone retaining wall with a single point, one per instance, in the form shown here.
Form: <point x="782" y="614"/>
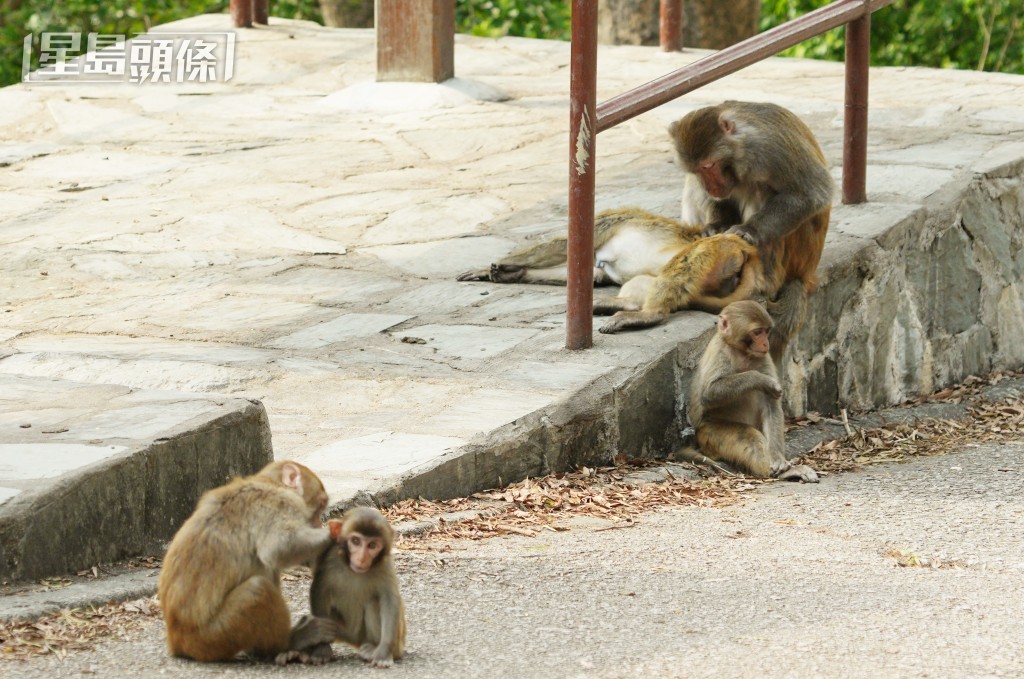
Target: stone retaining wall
<point x="930" y="301"/>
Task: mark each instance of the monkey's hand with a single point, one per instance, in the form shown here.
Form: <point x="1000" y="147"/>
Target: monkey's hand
<point x="713" y="229"/>
<point x="310" y="641"/>
<point x="800" y="472"/>
<point x="744" y="233"/>
<point x="377" y="656"/>
<point x="773" y="388"/>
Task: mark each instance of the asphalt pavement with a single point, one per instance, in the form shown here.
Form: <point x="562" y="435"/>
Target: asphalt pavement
<point x="795" y="581"/>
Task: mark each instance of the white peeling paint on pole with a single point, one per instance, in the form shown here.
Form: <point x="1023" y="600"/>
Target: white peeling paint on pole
<point x="583" y="139"/>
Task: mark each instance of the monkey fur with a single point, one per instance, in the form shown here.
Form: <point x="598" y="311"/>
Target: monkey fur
<point x="736" y="399"/>
<point x="756" y="170"/>
<point x="219" y="586"/>
<point x="663" y="265"/>
<point x="363" y="597"/>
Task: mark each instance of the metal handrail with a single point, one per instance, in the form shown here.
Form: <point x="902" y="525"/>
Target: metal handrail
<point x="586" y="119"/>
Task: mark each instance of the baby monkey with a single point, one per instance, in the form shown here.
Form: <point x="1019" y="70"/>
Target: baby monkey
<point x="736" y="398"/>
<point x="354" y="583"/>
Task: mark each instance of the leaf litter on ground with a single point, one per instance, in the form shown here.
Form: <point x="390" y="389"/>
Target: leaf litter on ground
<point x="533" y="506"/>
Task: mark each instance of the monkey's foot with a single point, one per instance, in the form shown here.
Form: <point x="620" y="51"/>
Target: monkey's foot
<point x="631" y="319"/>
<point x="800" y="472"/>
<point x="507" y="273"/>
<point x="315" y="656"/>
<point x="779" y="467"/>
<point x="377" y="657"/>
<point x="606" y="306"/>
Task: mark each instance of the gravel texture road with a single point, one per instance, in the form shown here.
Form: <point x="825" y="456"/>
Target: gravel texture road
<point x="903" y="570"/>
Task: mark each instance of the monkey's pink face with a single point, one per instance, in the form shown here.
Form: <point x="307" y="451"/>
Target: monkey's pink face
<point x="715" y="181"/>
<point x="363" y="551"/>
<point x="759" y="341"/>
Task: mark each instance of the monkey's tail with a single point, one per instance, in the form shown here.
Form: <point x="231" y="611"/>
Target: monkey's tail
<point x="691" y="453"/>
<point x="787" y="310"/>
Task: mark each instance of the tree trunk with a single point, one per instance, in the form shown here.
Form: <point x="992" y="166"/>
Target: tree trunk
<point x="711" y="24"/>
<point x="714" y="24"/>
<point x="347" y="13"/>
<point x="628" y="22"/>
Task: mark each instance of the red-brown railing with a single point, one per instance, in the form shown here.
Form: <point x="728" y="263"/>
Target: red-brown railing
<point x="245" y="13"/>
<point x="586" y="118"/>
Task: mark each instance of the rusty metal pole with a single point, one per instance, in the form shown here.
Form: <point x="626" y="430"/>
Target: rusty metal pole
<point x="855" y="125"/>
<point x="415" y="40"/>
<point x="671" y="25"/>
<point x="260" y="11"/>
<point x="241" y="13"/>
<point x="582" y="137"/>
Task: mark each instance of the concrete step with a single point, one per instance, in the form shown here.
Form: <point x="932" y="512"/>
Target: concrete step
<point x="91" y="473"/>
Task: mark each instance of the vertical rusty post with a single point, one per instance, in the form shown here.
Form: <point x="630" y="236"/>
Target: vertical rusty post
<point x="855" y="125"/>
<point x="671" y="25"/>
<point x="582" y="137"/>
<point x="241" y="13"/>
<point x="415" y="40"/>
<point x="260" y="11"/>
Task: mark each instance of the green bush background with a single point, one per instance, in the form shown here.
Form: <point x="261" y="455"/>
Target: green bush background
<point x="987" y="34"/>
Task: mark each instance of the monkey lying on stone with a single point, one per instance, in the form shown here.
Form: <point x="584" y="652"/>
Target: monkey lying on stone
<point x="757" y="180"/>
<point x="676" y="268"/>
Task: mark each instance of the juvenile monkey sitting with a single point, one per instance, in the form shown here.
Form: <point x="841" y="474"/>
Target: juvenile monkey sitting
<point x="736" y="398"/>
<point x="354" y="583"/>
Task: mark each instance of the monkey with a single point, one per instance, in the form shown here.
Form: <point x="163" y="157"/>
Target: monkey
<point x="219" y="586"/>
<point x="627" y="242"/>
<point x="674" y="268"/>
<point x="756" y="170"/>
<point x="736" y="399"/>
<point x="707" y="274"/>
<point x="354" y="583"/>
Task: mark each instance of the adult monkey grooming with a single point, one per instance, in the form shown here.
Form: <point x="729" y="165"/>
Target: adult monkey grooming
<point x="354" y="583"/>
<point x="756" y="170"/>
<point x="219" y="586"/>
<point x="736" y="399"/>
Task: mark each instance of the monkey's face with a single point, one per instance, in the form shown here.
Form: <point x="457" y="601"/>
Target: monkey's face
<point x="717" y="178"/>
<point x="745" y="326"/>
<point x="363" y="551"/>
<point x="702" y="141"/>
<point x="757" y="342"/>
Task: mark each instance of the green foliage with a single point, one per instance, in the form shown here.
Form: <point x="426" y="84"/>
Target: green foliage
<point x="307" y="10"/>
<point x="970" y="34"/>
<point x="987" y="34"/>
<point x="526" y="18"/>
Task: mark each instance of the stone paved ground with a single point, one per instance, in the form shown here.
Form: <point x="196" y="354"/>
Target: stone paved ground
<point x="293" y="236"/>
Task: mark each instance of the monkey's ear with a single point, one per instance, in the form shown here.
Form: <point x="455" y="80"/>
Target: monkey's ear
<point x="334" y="525"/>
<point x="291" y="476"/>
<point x="723" y="323"/>
<point x="727" y="124"/>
